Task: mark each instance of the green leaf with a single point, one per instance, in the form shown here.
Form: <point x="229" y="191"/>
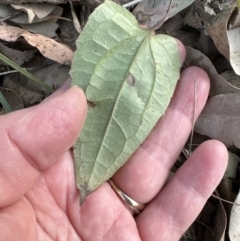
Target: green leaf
<point x="129" y="76"/>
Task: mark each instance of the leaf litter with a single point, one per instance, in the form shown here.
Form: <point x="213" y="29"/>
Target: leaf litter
<point x="28" y="32"/>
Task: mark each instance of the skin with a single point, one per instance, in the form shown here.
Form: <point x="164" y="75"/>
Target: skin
<point x="38" y="196"/>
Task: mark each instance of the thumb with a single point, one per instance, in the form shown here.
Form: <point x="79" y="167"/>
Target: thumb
<point x="33" y="139"/>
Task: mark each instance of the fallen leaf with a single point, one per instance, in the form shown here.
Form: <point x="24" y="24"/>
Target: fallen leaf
<point x="49" y="75"/>
<point x="18" y="57"/>
<point x="218" y="84"/>
<point x="215" y="18"/>
<point x="224" y="38"/>
<point x="188" y="236"/>
<point x="231" y="78"/>
<point x="75" y="19"/>
<point x="150" y="14"/>
<point x="129" y="76"/>
<point x="28" y="97"/>
<point x="12" y="98"/>
<point x="40" y="28"/>
<point x="30" y="12"/>
<point x="48" y="47"/>
<point x="25" y="18"/>
<point x="220" y="119"/>
<point x="40" y="10"/>
<point x="6" y="11"/>
<point x="234" y="223"/>
<point x="226" y="185"/>
<point x="204" y="13"/>
<point x="217" y="233"/>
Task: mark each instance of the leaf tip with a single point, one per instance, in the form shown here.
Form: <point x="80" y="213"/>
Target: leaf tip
<point x="83" y="194"/>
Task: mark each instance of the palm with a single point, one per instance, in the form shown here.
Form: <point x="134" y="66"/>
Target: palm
<point x="55" y="201"/>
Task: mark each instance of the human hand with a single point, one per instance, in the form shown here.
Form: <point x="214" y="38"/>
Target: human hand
<point x="38" y="196"/>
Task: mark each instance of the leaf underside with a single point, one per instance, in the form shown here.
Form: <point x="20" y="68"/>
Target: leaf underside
<point x="129" y="76"/>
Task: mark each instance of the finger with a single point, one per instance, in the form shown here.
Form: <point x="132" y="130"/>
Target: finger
<point x="18" y="222"/>
<point x="66" y="85"/>
<point x="169" y="215"/>
<point x="33" y="139"/>
<point x="147" y="170"/>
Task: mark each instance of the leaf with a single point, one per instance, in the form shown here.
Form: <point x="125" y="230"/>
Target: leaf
<point x="129" y="76"/>
<point x="18" y="57"/>
<point x="48" y="47"/>
<point x="220" y="119"/>
<point x="153" y="13"/>
<point x="225" y="186"/>
<point x="39" y="10"/>
<point x="217" y="232"/>
<point x="29" y="98"/>
<point x="10" y="100"/>
<point x="234" y="223"/>
<point x="219" y="84"/>
<point x="225" y="36"/>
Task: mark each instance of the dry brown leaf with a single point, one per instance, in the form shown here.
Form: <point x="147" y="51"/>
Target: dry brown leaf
<point x="234" y="223"/>
<point x="220" y="225"/>
<point x="220" y="119"/>
<point x="234" y="46"/>
<point x="227" y="40"/>
<point x="41" y="10"/>
<point x="28" y="96"/>
<point x="24" y="17"/>
<point x="18" y="57"/>
<point x="218" y="84"/>
<point x="218" y="33"/>
<point x="43" y="14"/>
<point x="40" y="28"/>
<point x="188" y="236"/>
<point x="226" y="186"/>
<point x="231" y="78"/>
<point x="214" y="17"/>
<point x="48" y="47"/>
<point x="12" y="98"/>
<point x="6" y="11"/>
<point x="75" y="19"/>
<point x="53" y="75"/>
<point x="29" y="11"/>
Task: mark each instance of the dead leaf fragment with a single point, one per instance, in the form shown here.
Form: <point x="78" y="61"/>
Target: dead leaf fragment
<point x="40" y="10"/>
<point x="28" y="97"/>
<point x="220" y="119"/>
<point x="48" y="47"/>
<point x="53" y="75"/>
<point x="18" y="57"/>
<point x="226" y="40"/>
<point x="231" y="78"/>
<point x="218" y="84"/>
<point x="234" y="224"/>
<point x="30" y="12"/>
<point x="220" y="224"/>
<point x="12" y="98"/>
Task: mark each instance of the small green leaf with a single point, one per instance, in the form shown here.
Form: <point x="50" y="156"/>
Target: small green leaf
<point x="129" y="76"/>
